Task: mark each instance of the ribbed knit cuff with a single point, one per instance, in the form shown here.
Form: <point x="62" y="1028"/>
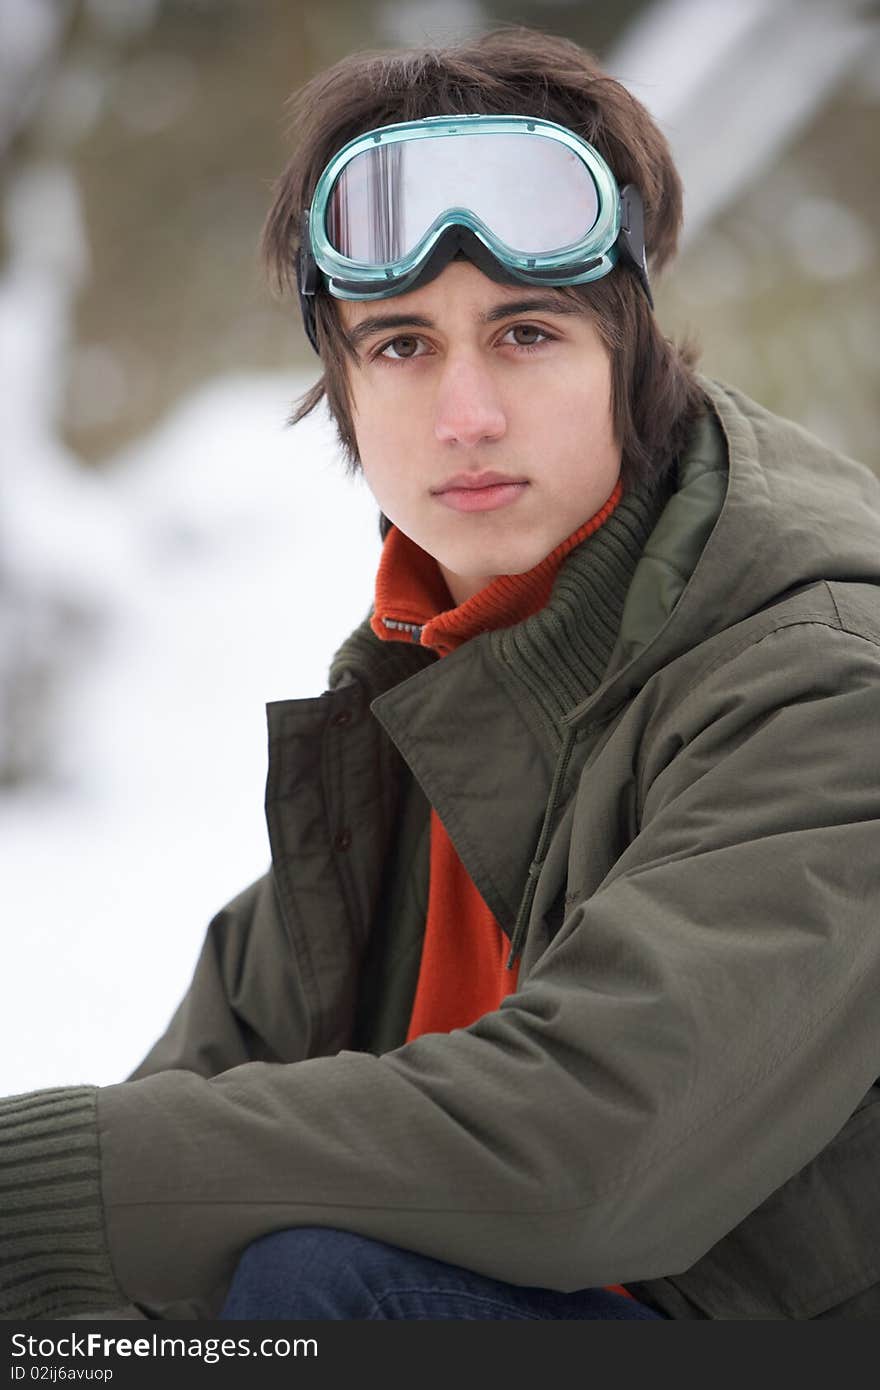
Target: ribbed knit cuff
<point x="53" y="1249"/>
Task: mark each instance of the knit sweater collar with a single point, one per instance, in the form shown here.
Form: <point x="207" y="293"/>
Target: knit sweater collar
<point x="413" y="604"/>
<point x="558" y="656"/>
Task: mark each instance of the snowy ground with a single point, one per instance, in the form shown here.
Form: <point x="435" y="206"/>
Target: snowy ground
<point x="248" y="557"/>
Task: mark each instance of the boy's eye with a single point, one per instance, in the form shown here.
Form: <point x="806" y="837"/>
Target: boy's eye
<point x="405" y="346"/>
<point x="526" y="334"/>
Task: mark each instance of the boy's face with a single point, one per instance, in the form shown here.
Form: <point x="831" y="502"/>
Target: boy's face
<point x="465" y="376"/>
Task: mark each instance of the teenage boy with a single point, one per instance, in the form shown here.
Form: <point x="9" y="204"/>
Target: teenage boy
<point x="560" y="999"/>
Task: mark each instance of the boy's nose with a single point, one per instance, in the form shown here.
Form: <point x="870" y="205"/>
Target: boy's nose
<point x="468" y="409"/>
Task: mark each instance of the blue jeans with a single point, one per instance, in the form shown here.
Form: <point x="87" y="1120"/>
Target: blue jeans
<point x="315" y="1272"/>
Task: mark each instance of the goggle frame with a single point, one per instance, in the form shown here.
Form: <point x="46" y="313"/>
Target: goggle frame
<point x="618" y="227"/>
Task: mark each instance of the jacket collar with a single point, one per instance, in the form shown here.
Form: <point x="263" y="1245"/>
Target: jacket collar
<point x="762" y="508"/>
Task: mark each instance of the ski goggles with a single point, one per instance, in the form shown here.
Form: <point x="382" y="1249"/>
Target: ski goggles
<point x="528" y="201"/>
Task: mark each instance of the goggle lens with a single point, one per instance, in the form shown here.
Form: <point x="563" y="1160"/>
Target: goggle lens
<point x="534" y="194"/>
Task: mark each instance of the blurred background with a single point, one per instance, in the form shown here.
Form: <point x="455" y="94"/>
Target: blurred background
<point x="162" y="570"/>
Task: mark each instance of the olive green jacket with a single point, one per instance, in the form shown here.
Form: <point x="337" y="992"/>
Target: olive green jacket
<point x="672" y="807"/>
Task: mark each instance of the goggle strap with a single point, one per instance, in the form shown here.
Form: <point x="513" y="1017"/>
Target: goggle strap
<point x="307" y="280"/>
<point x="631" y="238"/>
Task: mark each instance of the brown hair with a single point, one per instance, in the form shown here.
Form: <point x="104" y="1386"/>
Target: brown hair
<point x="510" y="71"/>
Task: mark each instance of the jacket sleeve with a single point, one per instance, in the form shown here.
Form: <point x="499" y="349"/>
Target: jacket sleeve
<point x="700" y="1027"/>
<point x="237" y="1009"/>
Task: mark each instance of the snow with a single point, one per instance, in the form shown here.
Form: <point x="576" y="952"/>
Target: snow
<point x="148" y="612"/>
<point x="249" y="556"/>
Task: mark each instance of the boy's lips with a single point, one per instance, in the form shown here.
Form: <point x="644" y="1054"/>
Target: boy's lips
<point x="480" y="492"/>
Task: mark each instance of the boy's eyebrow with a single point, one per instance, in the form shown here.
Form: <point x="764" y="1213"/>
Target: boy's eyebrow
<point x="536" y="304"/>
<point x="379" y="323"/>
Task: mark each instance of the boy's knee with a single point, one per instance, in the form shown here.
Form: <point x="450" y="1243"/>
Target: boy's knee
<point x="306" y="1271"/>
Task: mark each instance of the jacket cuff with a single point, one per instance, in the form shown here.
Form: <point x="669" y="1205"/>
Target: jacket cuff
<point x="53" y="1248"/>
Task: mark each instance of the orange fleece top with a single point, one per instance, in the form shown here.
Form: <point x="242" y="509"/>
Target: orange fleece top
<point x="462" y="973"/>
